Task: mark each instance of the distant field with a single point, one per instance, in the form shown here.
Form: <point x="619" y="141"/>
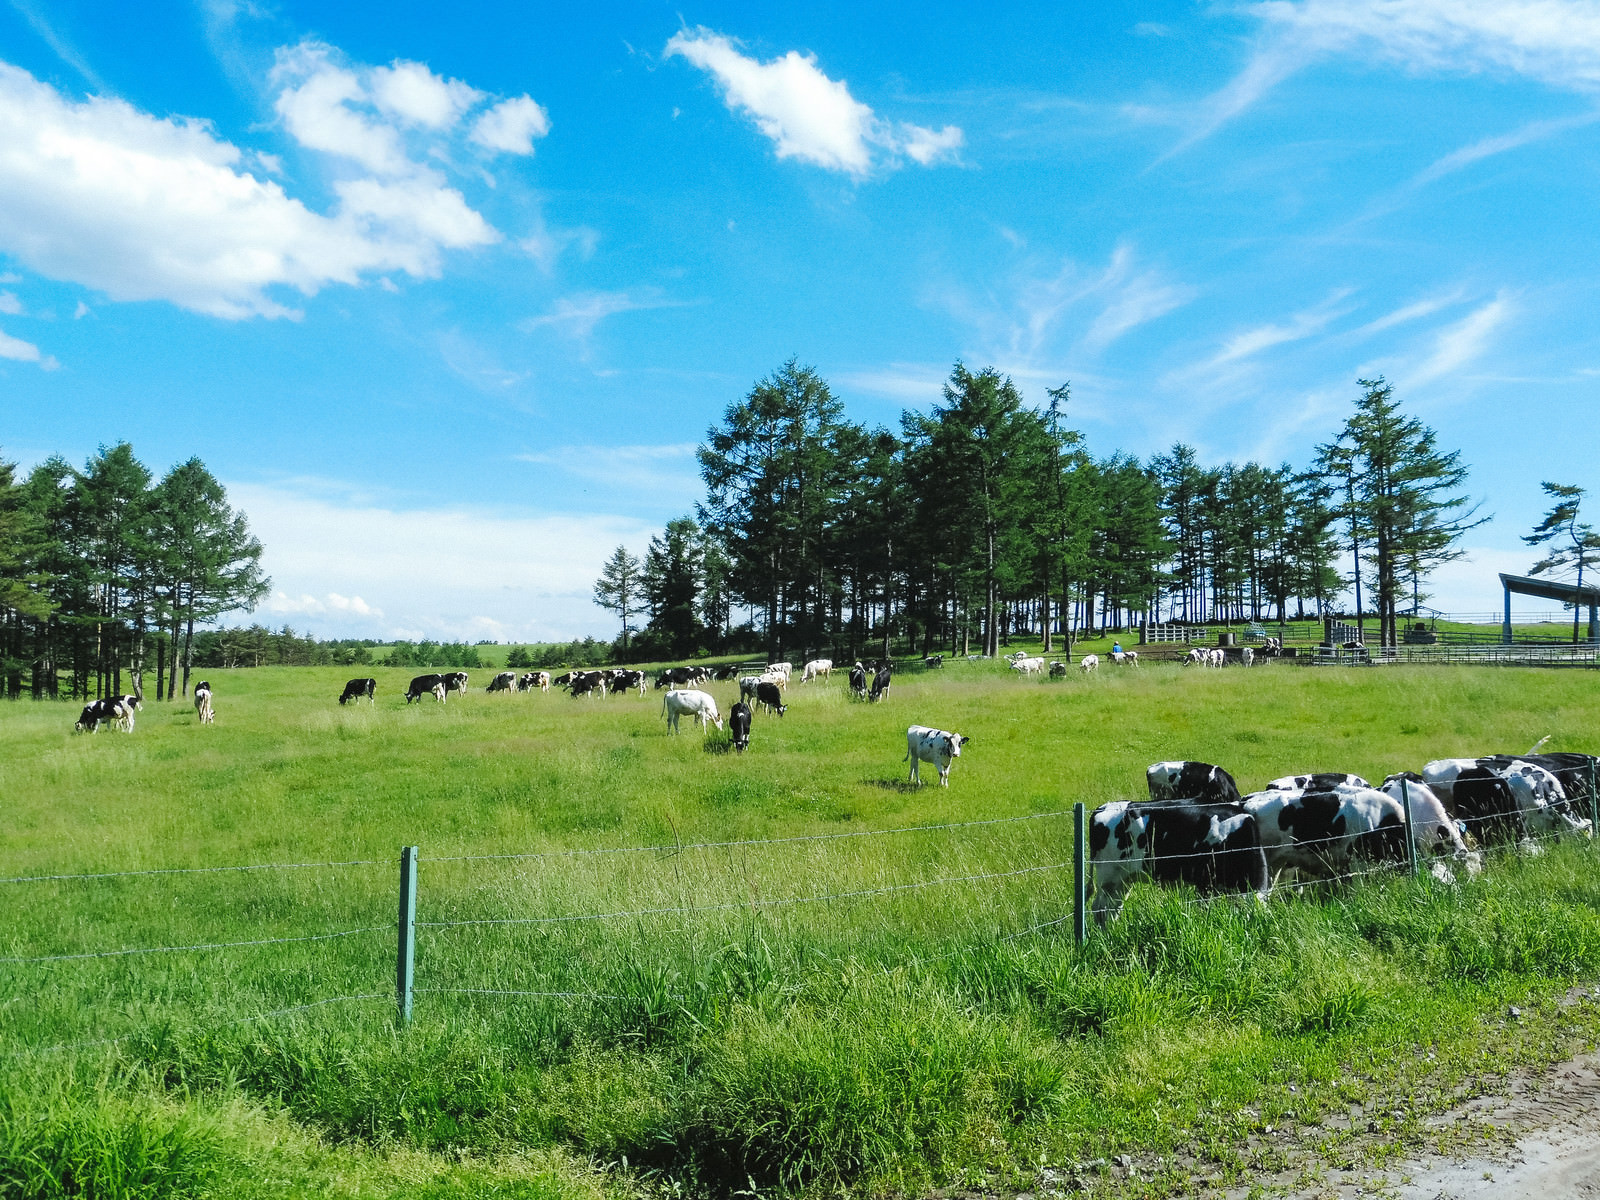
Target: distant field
<point x="879" y="1012"/>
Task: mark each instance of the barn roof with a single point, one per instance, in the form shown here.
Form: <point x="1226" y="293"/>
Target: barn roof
<point x="1548" y="589"/>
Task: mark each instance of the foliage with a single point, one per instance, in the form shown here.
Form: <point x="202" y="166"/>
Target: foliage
<point x="1583" y="543"/>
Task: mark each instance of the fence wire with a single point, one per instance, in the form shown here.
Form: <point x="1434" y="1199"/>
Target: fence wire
<point x="312" y="937"/>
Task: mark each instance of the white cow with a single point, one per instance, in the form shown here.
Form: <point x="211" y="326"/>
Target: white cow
<point x="1431" y="826"/>
<point x="202" y="702"/>
<point x="778" y="668"/>
<point x="1125" y="658"/>
<point x="1247" y="657"/>
<point x="936" y="746"/>
<point x="1215" y="657"/>
<point x="817" y="668"/>
<point x="699" y="705"/>
<point x="1090" y="662"/>
<point x="1027" y="666"/>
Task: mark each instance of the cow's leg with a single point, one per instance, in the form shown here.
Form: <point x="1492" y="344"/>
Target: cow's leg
<point x="944" y="776"/>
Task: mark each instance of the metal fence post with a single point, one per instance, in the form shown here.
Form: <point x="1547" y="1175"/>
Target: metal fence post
<point x="406" y="955"/>
<point x="1080" y="927"/>
<point x="1411" y="833"/>
<point x="1594" y="803"/>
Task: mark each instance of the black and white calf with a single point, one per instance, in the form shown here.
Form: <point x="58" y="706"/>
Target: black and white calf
<point x="769" y="697"/>
<point x="858" y="681"/>
<point x="202" y="703"/>
<point x="505" y="681"/>
<point x="357" y="688"/>
<point x="1214" y="848"/>
<point x="880" y="683"/>
<point x="1183" y="780"/>
<point x="422" y="685"/>
<point x="925" y="744"/>
<point x="739" y="726"/>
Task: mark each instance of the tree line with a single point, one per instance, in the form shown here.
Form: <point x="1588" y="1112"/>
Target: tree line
<point x="987" y="517"/>
<point x="107" y="572"/>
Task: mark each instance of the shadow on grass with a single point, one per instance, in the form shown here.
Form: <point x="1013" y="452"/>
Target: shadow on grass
<point x="891" y="785"/>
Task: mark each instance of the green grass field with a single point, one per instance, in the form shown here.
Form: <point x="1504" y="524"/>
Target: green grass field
<point x="875" y="1013"/>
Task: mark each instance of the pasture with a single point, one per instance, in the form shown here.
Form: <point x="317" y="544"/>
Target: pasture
<point x="881" y="1012"/>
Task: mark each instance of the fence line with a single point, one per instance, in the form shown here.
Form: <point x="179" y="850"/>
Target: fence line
<point x="367" y="862"/>
<point x="743" y="904"/>
<point x="313" y="937"/>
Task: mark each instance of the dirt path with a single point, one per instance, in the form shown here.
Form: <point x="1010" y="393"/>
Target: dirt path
<point x="1552" y="1123"/>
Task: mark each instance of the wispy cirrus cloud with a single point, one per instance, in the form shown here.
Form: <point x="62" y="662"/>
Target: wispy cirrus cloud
<point x="1301" y="325"/>
<point x="1524" y="135"/>
<point x="1463" y="342"/>
<point x="807" y="115"/>
<point x="578" y="315"/>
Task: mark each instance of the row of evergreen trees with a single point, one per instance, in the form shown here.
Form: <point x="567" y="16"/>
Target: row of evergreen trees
<point x="986" y="516"/>
<point x="108" y="571"/>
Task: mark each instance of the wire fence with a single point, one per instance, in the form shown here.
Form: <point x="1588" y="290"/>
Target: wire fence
<point x="1332" y="861"/>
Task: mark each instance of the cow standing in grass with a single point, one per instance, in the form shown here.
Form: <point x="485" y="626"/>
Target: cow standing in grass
<point x="357" y="688"/>
<point x="421" y="685"/>
<point x="202" y="703"/>
<point x="739" y="726"/>
<point x="699" y="705"/>
<point x="925" y="744"/>
<point x="1213" y="848"/>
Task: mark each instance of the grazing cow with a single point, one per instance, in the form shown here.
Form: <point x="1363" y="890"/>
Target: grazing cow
<point x="1214" y="848"/>
<point x="1090" y="662"/>
<point x="561" y="681"/>
<point x="1436" y="834"/>
<point x="1027" y="665"/>
<point x="933" y="660"/>
<point x="937" y="746"/>
<point x="1125" y="658"/>
<point x="455" y="681"/>
<point x="817" y="668"/>
<point x="1325" y="834"/>
<point x="1510" y="800"/>
<point x="357" y="688"/>
<point x="696" y="704"/>
<point x="505" y="681"/>
<point x="748" y="684"/>
<point x="739" y="726"/>
<point x="880" y="683"/>
<point x="1575" y="773"/>
<point x="770" y="697"/>
<point x="674" y="677"/>
<point x="779" y="679"/>
<point x="423" y="684"/>
<point x="779" y="668"/>
<point x="1195" y="658"/>
<point x="626" y="681"/>
<point x="542" y="680"/>
<point x="1184" y="780"/>
<point x="107" y="711"/>
<point x="1058" y="670"/>
<point x="587" y="683"/>
<point x="858" y="681"/>
<point x="202" y="703"/>
<point x="1325" y="781"/>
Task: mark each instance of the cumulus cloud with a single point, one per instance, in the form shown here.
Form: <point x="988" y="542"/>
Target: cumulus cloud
<point x="20" y="351"/>
<point x="103" y="194"/>
<point x="806" y="114"/>
<point x="511" y="126"/>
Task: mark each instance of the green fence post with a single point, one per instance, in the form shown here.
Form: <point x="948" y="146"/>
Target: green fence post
<point x="1411" y="837"/>
<point x="406" y="955"/>
<point x="1594" y="803"/>
<point x="1080" y="926"/>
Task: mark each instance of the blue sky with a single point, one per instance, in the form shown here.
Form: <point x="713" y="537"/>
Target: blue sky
<point x="448" y="298"/>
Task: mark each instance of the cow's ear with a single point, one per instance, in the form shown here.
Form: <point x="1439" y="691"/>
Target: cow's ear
<point x="963" y="739"/>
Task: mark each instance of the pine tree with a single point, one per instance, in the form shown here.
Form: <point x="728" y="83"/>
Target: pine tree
<point x="620" y="588"/>
<point x="1583" y="543"/>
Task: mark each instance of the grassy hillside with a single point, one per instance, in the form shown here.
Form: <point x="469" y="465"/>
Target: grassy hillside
<point x="878" y="1012"/>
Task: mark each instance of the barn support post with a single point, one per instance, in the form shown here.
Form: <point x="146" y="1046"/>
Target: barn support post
<point x="1411" y="833"/>
<point x="406" y="954"/>
<point x="1505" y="629"/>
<point x="1080" y="926"/>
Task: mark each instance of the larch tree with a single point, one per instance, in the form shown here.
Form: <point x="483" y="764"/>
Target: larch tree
<point x="1572" y="545"/>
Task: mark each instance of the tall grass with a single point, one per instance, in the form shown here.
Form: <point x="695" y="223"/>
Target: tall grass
<point x="881" y="1012"/>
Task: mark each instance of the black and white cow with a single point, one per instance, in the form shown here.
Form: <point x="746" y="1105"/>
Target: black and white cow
<point x="455" y="681"/>
<point x="202" y="703"/>
<point x="587" y="683"/>
<point x="505" y="681"/>
<point x="1432" y="827"/>
<point x="925" y="744"/>
<point x="1214" y="848"/>
<point x="858" y="681"/>
<point x="674" y="677"/>
<point x="1183" y="780"/>
<point x="1323" y="781"/>
<point x="739" y="726"/>
<point x="357" y="688"/>
<point x="933" y="661"/>
<point x="1325" y="835"/>
<point x="880" y="683"/>
<point x="769" y="697"/>
<point x="424" y="684"/>
<point x="1576" y="773"/>
<point x="1501" y="800"/>
<point x="107" y="711"/>
<point x="626" y="681"/>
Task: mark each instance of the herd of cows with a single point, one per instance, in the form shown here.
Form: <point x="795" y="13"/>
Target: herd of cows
<point x="1197" y="830"/>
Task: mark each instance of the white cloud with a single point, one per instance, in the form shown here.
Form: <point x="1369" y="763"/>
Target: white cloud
<point x="81" y="311"/>
<point x="410" y="91"/>
<point x="20" y="351"/>
<point x="667" y="471"/>
<point x="10" y="305"/>
<point x="1410" y="312"/>
<point x="511" y="126"/>
<point x="1263" y="337"/>
<point x="1533" y="131"/>
<point x="144" y="208"/>
<point x="1463" y="342"/>
<point x="806" y="114"/>
<point x="359" y="567"/>
<point x="914" y="382"/>
<point x="578" y="315"/>
<point x="1556" y="42"/>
